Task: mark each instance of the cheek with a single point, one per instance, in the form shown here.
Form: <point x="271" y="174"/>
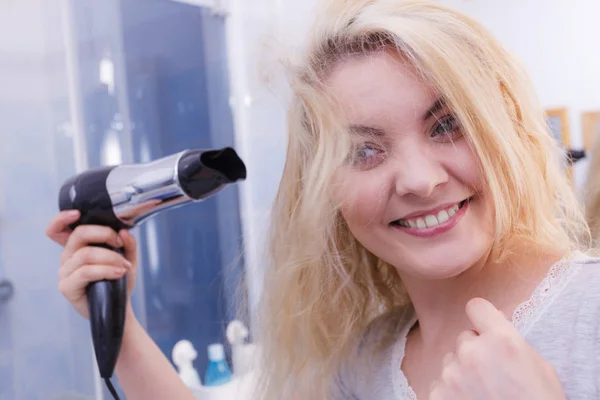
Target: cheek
<point x="466" y="168"/>
<point x="464" y="164"/>
<point x="362" y="199"/>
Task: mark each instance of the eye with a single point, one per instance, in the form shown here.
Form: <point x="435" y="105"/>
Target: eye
<point x="367" y="155"/>
<point x="446" y="128"/>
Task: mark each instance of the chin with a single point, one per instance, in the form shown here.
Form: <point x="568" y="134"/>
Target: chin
<point x="438" y="266"/>
<point x="469" y="243"/>
<point x="439" y="262"/>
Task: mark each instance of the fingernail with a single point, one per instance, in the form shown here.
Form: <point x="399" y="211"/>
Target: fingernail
<point x="119" y="241"/>
<point x="128" y="264"/>
<point x="120" y="270"/>
<point x="72" y="213"/>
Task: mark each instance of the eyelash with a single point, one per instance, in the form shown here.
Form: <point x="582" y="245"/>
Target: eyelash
<point x="448" y="132"/>
<point x="359" y="161"/>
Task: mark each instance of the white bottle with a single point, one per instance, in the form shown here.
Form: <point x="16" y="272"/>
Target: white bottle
<point x="243" y="354"/>
<point x="183" y="356"/>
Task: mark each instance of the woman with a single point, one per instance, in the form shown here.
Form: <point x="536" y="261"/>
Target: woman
<point x="422" y="204"/>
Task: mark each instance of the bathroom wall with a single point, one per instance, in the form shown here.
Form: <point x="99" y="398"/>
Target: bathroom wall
<point x="44" y="350"/>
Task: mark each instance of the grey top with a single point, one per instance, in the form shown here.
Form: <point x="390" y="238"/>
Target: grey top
<point x="561" y="321"/>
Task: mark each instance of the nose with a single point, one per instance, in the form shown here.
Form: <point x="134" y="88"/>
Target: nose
<point x="419" y="172"/>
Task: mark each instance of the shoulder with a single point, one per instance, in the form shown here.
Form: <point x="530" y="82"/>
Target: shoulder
<point x="568" y="333"/>
<point x="590" y="259"/>
<point x="572" y="284"/>
<point x="571" y="296"/>
<point x="585" y="281"/>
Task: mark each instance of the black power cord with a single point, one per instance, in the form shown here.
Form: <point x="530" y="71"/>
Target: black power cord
<point x="111" y="389"/>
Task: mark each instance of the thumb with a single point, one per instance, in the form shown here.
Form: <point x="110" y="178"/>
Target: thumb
<point x="485" y="317"/>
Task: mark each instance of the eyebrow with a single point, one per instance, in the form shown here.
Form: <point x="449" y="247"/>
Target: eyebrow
<point x="364" y="130"/>
<point x="438" y="105"/>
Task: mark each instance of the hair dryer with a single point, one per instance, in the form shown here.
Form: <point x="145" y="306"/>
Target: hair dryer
<point x="122" y="197"/>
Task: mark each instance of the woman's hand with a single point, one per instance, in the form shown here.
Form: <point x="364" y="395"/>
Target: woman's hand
<point x="493" y="361"/>
<point x="82" y="263"/>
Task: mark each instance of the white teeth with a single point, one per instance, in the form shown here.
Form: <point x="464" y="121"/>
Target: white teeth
<point x="431" y="220"/>
<point x="443" y="217"/>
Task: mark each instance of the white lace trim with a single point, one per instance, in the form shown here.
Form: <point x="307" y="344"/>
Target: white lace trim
<point x="402" y="389"/>
<point x="527" y="314"/>
<point x="524" y="317"/>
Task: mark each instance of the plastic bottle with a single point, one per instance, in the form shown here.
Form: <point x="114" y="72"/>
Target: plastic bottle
<point x="217" y="372"/>
<point x="183" y="356"/>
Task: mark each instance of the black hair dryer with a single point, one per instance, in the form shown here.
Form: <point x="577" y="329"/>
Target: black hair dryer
<point x="122" y="197"/>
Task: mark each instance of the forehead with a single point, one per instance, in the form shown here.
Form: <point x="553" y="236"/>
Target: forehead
<point x="380" y="89"/>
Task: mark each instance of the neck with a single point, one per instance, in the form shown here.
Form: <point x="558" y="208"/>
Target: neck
<point x="439" y="304"/>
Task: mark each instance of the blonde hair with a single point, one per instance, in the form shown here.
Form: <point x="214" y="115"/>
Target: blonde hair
<point x="322" y="287"/>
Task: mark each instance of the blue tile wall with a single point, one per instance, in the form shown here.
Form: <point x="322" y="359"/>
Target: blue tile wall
<point x="6" y="342"/>
<point x="36" y="324"/>
<point x="28" y="255"/>
<point x="42" y="318"/>
<point x="38" y="357"/>
<point x="41" y="372"/>
<point x="7" y="391"/>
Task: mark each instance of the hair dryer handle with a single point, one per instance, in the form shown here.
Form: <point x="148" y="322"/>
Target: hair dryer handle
<point x="107" y="302"/>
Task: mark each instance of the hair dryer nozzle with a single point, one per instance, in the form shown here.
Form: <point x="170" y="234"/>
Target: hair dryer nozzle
<point x="203" y="172"/>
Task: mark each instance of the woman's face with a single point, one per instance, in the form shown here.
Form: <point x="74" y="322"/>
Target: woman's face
<point x="412" y="192"/>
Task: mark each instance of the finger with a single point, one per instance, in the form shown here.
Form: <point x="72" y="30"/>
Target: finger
<point x="485" y="317"/>
<point x="436" y="391"/>
<point x="465" y="336"/>
<point x="448" y="386"/>
<point x="92" y="256"/>
<point x="130" y="246"/>
<point x="84" y="235"/>
<point x="74" y="285"/>
<point x="58" y="229"/>
<point x="448" y="359"/>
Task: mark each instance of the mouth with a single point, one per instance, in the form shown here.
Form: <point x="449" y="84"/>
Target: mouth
<point x="432" y="220"/>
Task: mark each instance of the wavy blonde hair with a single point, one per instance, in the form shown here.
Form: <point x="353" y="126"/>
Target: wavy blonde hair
<point x="322" y="287"/>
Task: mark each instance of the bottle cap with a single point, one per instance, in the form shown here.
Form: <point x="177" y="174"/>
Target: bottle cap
<point x="216" y="352"/>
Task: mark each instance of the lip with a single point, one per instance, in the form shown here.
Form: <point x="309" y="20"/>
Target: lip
<point x="432" y="211"/>
<point x="439" y="229"/>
